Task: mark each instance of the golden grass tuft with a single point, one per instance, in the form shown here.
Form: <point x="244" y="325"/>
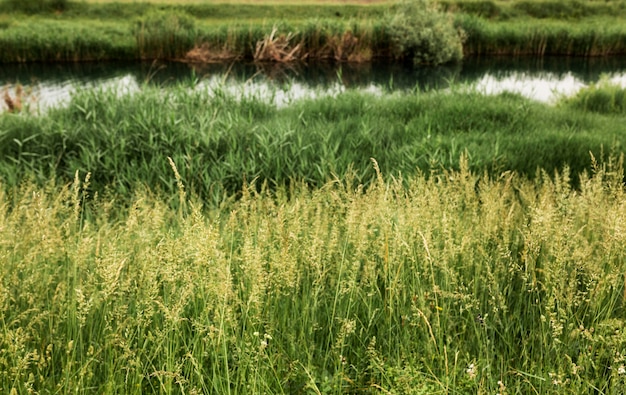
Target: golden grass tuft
<point x="278" y="48"/>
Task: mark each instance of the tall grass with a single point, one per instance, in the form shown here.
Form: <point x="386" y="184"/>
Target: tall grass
<point x="603" y="97"/>
<point x="34" y="39"/>
<point x="163" y="35"/>
<point x="218" y="140"/>
<point x="453" y="283"/>
<point x="600" y="37"/>
<point x="345" y="33"/>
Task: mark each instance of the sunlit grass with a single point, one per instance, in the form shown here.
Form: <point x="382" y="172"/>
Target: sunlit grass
<point x="456" y="283"/>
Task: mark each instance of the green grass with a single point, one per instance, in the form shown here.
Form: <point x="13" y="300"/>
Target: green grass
<point x="453" y="283"/>
<point x="109" y="31"/>
<point x="218" y="141"/>
<point x="591" y="37"/>
<point x="603" y="98"/>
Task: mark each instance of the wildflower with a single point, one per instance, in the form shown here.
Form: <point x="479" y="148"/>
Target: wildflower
<point x="621" y="370"/>
<point x="471" y="371"/>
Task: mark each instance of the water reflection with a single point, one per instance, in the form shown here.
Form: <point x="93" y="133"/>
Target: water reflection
<point x="540" y="79"/>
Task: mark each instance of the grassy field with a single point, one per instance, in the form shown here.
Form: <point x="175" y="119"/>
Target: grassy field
<point x="451" y="283"/>
<point x="184" y="240"/>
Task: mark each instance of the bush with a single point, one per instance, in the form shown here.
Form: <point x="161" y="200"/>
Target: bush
<point x="421" y="32"/>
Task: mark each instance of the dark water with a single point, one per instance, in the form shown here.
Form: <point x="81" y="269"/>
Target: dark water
<point x="541" y="79"/>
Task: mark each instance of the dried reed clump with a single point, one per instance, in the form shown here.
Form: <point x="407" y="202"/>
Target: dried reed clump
<point x="207" y="53"/>
<point x="14" y="103"/>
<point x="343" y="48"/>
<point x="278" y="48"/>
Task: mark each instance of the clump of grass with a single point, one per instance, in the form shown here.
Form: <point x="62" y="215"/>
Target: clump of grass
<point x="279" y="48"/>
<point x="162" y="35"/>
<point x="603" y="97"/>
<point x="13" y="102"/>
<point x="541" y="38"/>
<point x="39" y="39"/>
<point x="455" y="282"/>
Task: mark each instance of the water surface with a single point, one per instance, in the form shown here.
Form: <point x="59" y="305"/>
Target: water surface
<point x="545" y="80"/>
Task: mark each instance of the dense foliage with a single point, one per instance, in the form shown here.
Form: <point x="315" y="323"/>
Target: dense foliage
<point x="422" y="33"/>
<point x="220" y="139"/>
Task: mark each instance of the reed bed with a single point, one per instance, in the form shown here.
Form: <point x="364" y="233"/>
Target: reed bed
<point x="36" y="39"/>
<point x="452" y="283"/>
<point x="219" y="140"/>
<point x="541" y="38"/>
<point x="84" y="31"/>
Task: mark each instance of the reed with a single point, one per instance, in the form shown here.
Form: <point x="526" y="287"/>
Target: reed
<point x="85" y="31"/>
<point x="218" y="140"/>
<point x="35" y="39"/>
<point x="457" y="282"/>
<point x="162" y="35"/>
<point x="594" y="38"/>
<point x="603" y="97"/>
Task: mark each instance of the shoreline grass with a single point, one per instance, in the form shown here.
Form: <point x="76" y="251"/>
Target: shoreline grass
<point x="518" y="28"/>
<point x="219" y="140"/>
<point x="454" y="283"/>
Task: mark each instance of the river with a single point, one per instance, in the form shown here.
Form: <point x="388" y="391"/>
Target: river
<point x="45" y="85"/>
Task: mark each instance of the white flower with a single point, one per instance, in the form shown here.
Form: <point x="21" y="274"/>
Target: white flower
<point x="471" y="370"/>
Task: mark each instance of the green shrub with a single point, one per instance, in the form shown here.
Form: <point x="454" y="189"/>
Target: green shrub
<point x="421" y="32"/>
<point x="165" y="35"/>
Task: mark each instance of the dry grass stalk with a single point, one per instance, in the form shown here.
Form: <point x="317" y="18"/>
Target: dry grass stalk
<point x="277" y="49"/>
<point x="14" y="103"/>
<point x="205" y="53"/>
<point x="344" y="48"/>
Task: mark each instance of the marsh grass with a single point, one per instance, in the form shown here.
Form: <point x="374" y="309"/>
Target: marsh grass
<point x="219" y="139"/>
<point x="592" y="37"/>
<point x="603" y="97"/>
<point x="456" y="282"/>
<point x="346" y="32"/>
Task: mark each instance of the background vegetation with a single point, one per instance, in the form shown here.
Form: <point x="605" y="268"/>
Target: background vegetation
<point x="111" y="31"/>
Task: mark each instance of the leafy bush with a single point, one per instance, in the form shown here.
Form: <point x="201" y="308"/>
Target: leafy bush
<point x="420" y="31"/>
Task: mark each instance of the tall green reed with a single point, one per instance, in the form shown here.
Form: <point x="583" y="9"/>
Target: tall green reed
<point x="218" y="140"/>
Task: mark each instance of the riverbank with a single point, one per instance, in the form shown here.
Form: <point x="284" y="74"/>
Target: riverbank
<point x="90" y="31"/>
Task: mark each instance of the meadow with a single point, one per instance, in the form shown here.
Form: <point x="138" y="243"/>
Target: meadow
<point x="185" y="240"/>
<point x="452" y="283"/>
<point x="181" y="241"/>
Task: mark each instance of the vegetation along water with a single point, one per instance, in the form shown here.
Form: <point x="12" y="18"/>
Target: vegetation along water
<point x="181" y="240"/>
<point x="62" y="30"/>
